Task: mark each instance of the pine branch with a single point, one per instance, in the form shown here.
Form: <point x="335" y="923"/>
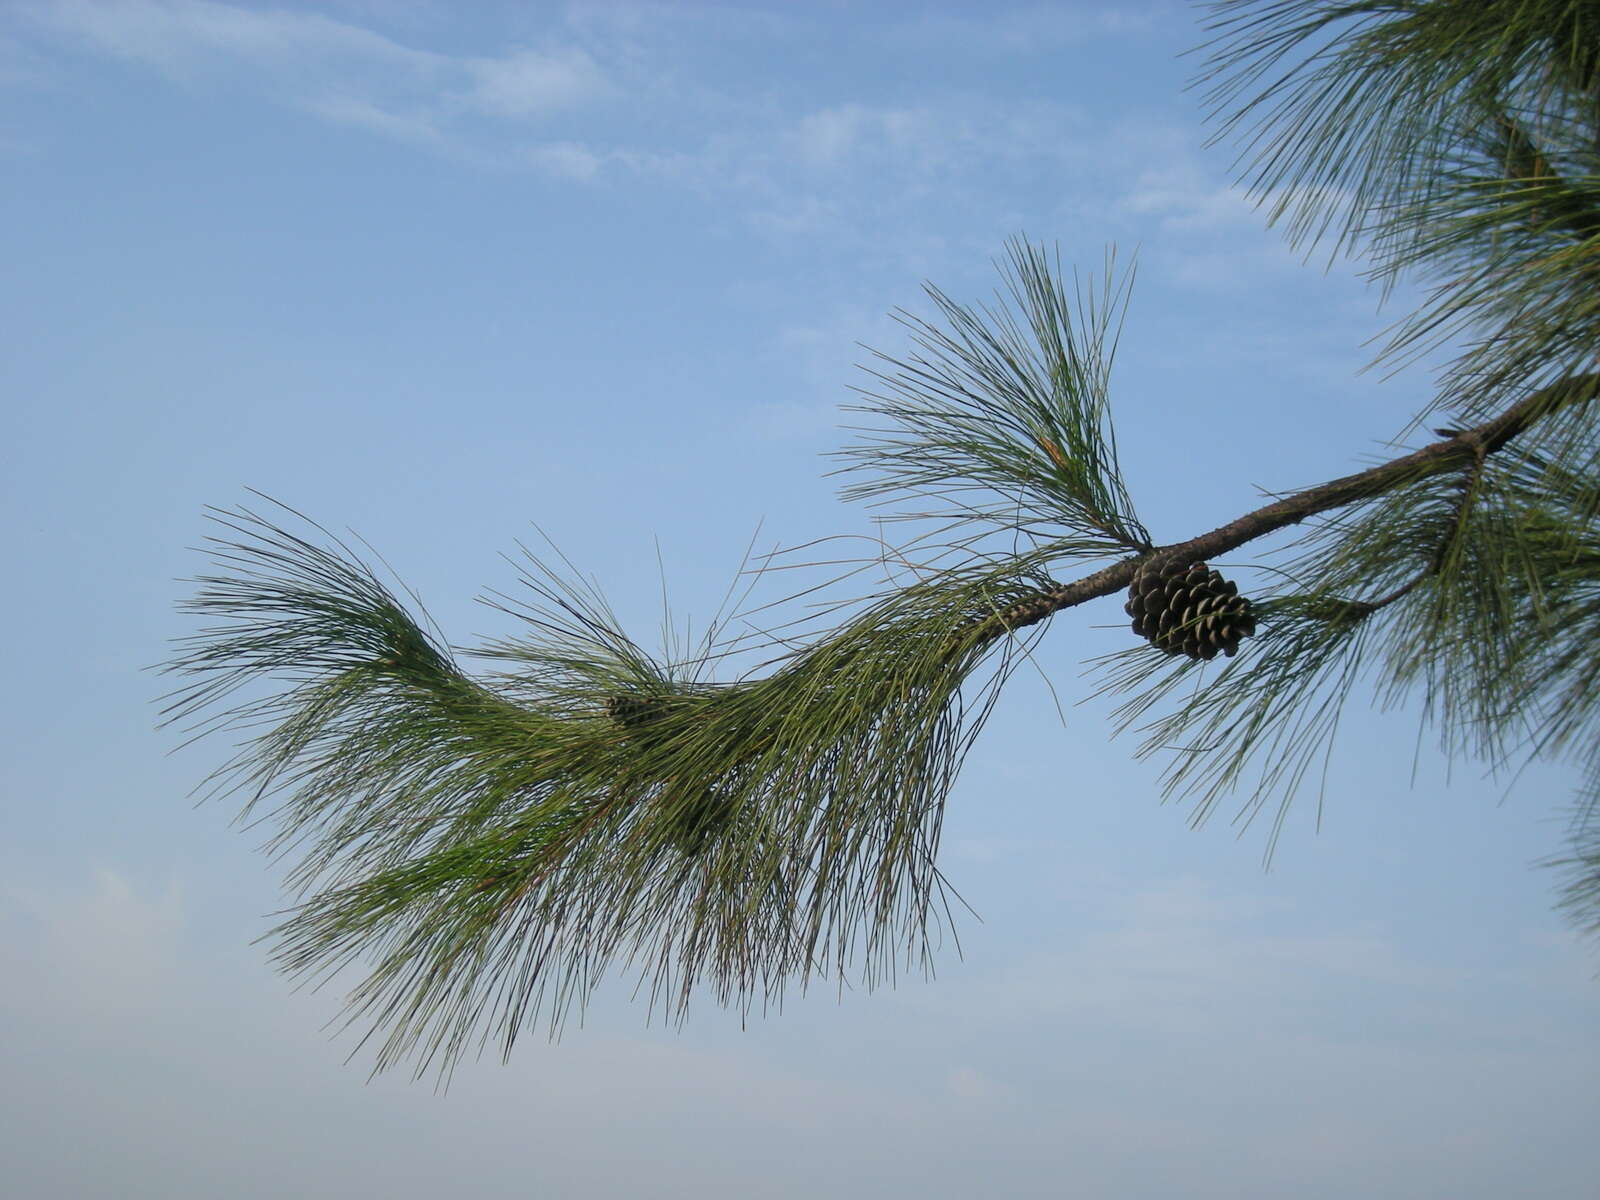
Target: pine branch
<point x="1461" y="449"/>
<point x="492" y="847"/>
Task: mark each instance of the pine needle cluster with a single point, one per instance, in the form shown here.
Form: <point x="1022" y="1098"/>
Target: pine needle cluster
<point x="489" y="847"/>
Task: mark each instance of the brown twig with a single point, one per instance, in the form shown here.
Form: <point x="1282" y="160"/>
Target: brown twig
<point x="1462" y="449"/>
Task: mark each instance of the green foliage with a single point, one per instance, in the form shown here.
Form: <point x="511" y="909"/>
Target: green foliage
<point x="1475" y="592"/>
<point x="1453" y="141"/>
<point x="492" y="846"/>
<point x="1002" y="418"/>
<point x="486" y="847"/>
<point x="1457" y="143"/>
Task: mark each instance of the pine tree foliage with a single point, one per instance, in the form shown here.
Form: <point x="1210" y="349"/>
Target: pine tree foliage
<point x="1001" y="418"/>
<point x="484" y="847"/>
<point x="1457" y="143"/>
<point x="1452" y="141"/>
<point x="493" y="845"/>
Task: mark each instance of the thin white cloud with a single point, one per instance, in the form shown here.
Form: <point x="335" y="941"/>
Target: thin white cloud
<point x="826" y="138"/>
<point x="851" y="169"/>
<point x="846" y="168"/>
<point x="565" y="160"/>
<point x="834" y="137"/>
<point x="527" y="82"/>
<point x="1042" y="29"/>
<point x="178" y="34"/>
<point x="334" y="69"/>
<point x="867" y="173"/>
<point x="644" y="31"/>
<point x="962" y="133"/>
<point x="363" y="113"/>
<point x="1185" y="200"/>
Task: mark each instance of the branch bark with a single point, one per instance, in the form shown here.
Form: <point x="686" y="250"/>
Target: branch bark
<point x="1460" y="449"/>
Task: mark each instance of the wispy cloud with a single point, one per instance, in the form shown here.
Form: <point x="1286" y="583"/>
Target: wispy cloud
<point x="363" y="113"/>
<point x="185" y="34"/>
<point x="484" y="106"/>
<point x="833" y="137"/>
<point x="1041" y="29"/>
<point x="1185" y="199"/>
<point x="345" y="73"/>
<point x="567" y="160"/>
<point x="526" y="83"/>
<point x="630" y="92"/>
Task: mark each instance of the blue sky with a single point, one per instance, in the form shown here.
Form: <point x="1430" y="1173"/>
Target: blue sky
<point x="438" y="273"/>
